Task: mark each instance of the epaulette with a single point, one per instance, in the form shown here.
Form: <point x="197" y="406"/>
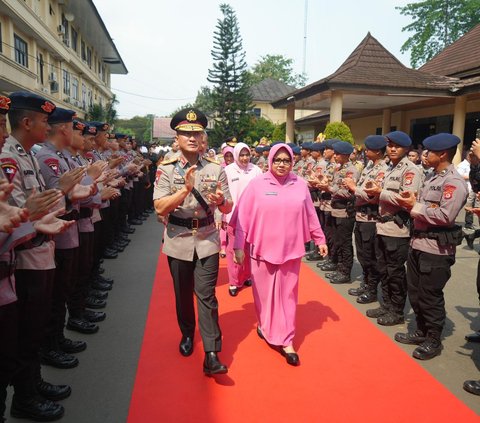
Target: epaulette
<point x="169" y="161"/>
<point x="208" y="159"/>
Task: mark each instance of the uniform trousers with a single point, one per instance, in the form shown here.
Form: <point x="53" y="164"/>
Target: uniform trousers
<point x="365" y="234"/>
<point x="107" y="228"/>
<point x="391" y="255"/>
<point x="343" y="229"/>
<point x="329" y="230"/>
<point x="478" y="279"/>
<point x="427" y="275"/>
<point x="237" y="274"/>
<point x="76" y="301"/>
<point x="275" y="294"/>
<point x="97" y="245"/>
<point x="34" y="292"/>
<point x="199" y="277"/>
<point x="65" y="280"/>
<point x="8" y="349"/>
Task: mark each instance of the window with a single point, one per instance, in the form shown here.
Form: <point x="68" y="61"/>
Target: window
<point x="75" y="88"/>
<point x="52" y="12"/>
<point x="74" y="35"/>
<point x="257" y="112"/>
<point x="89" y="57"/>
<point x="21" y="51"/>
<point x="66" y="82"/>
<point x="84" y="96"/>
<point x="84" y="52"/>
<point x="40" y="68"/>
<point x="1" y="44"/>
<point x="89" y="98"/>
<point x="66" y="34"/>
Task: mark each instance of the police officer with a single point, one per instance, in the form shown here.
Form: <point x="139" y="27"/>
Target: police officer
<point x="343" y="212"/>
<point x="188" y="189"/>
<point x="433" y="244"/>
<point x="366" y="217"/>
<point x="393" y="228"/>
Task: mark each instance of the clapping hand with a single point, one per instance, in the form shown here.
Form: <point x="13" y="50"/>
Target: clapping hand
<point x="71" y="178"/>
<point x="39" y="204"/>
<point x="50" y="224"/>
<point x="217" y="197"/>
<point x="190" y="178"/>
<point x="372" y="189"/>
<point x="80" y="192"/>
<point x="407" y="199"/>
<point x="10" y="216"/>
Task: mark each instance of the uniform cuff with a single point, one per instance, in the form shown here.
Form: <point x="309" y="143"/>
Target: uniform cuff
<point x="418" y="209"/>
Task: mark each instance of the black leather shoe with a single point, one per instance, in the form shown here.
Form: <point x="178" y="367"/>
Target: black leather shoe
<point x="233" y="291"/>
<point x="428" y="349"/>
<point x="37" y="409"/>
<point x="101" y="286"/>
<point x="473" y="337"/>
<point x="391" y="319"/>
<point x="472" y="386"/>
<point x="70" y="346"/>
<point x="96" y="303"/>
<point x="212" y="365"/>
<point x="410" y="338"/>
<point x="259" y="333"/>
<point x="100" y="270"/>
<point x="291" y="358"/>
<point x="328" y="267"/>
<point x="110" y="254"/>
<point x="104" y="279"/>
<point x="82" y="326"/>
<point x="135" y="222"/>
<point x="248" y="282"/>
<point x="357" y="291"/>
<point x="58" y="359"/>
<point x="94" y="316"/>
<point x="367" y="298"/>
<point x="470" y="239"/>
<point x="331" y="275"/>
<point x="341" y="278"/>
<point x="128" y="231"/>
<point x="53" y="392"/>
<point x="117" y="248"/>
<point x="374" y="313"/>
<point x="314" y="257"/>
<point x="122" y="243"/>
<point x="186" y="346"/>
<point x="101" y="295"/>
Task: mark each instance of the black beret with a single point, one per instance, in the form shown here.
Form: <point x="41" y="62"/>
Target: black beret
<point x="259" y="149"/>
<point x="4" y="104"/>
<point x="442" y="141"/>
<point x="118" y="135"/>
<point x="90" y="129"/>
<point x="317" y="146"/>
<point x="343" y="147"/>
<point x="189" y="120"/>
<point x="329" y="143"/>
<point x="400" y="138"/>
<point x="375" y="142"/>
<point x="60" y="115"/>
<point x="23" y="100"/>
<point x="79" y="126"/>
<point x="101" y="126"/>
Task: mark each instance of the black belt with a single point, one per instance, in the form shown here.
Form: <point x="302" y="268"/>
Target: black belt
<point x="85" y="212"/>
<point x="38" y="240"/>
<point x="191" y="223"/>
<point x="386" y="218"/>
<point x="368" y="209"/>
<point x="7" y="269"/>
<point x="73" y="215"/>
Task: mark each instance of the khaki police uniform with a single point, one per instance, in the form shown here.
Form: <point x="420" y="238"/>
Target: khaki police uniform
<point x="192" y="244"/>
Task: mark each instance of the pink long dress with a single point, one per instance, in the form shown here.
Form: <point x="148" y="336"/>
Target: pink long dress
<point x="276" y="216"/>
<point x="238" y="177"/>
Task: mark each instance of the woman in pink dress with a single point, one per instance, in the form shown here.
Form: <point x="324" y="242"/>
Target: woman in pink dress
<point x="276" y="217"/>
<point x="239" y="174"/>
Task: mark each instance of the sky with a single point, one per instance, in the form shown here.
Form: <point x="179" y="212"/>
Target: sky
<point x="166" y="45"/>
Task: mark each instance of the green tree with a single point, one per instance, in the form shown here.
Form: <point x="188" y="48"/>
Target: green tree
<point x="279" y="134"/>
<point x="110" y="110"/>
<point x="276" y="66"/>
<point x="96" y="112"/>
<point x="339" y="131"/>
<point x="259" y="127"/>
<point x="138" y="125"/>
<point x="231" y="99"/>
<point x="436" y="24"/>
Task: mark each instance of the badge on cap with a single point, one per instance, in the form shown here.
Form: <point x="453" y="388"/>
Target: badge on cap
<point x="191" y="116"/>
<point x="48" y="107"/>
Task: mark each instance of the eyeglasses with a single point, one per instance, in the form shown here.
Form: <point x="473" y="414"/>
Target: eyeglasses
<point x="284" y="161"/>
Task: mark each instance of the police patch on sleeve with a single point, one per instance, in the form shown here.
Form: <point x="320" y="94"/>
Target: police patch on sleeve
<point x="448" y="191"/>
<point x="9" y="167"/>
<point x="158" y="174"/>
<point x="53" y="164"/>
<point x="408" y="179"/>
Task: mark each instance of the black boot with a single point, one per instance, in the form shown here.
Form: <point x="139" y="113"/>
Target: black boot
<point x="212" y="365"/>
<point x="410" y="338"/>
<point x="36" y="408"/>
<point x="430" y="348"/>
<point x="367" y="297"/>
<point x="357" y="291"/>
<point x="53" y="392"/>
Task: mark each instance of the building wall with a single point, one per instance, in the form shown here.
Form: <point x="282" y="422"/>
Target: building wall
<point x="54" y="66"/>
<point x="279" y="116"/>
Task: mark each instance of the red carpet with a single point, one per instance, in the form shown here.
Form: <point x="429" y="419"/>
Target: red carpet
<point x="345" y="361"/>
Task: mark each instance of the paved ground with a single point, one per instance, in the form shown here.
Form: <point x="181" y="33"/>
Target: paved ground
<point x="102" y="383"/>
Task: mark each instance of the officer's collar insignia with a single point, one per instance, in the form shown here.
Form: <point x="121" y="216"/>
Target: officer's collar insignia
<point x="19" y="148"/>
<point x="191" y="116"/>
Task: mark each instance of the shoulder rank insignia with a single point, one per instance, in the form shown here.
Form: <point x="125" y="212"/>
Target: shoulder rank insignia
<point x="208" y="159"/>
<point x="169" y="161"/>
<point x="9" y="167"/>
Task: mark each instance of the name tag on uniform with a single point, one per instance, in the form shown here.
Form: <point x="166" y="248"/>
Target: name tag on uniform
<point x="271" y="193"/>
<point x="179" y="181"/>
<point x="235" y="179"/>
<point x="28" y="172"/>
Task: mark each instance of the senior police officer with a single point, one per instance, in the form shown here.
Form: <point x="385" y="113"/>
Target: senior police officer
<point x="433" y="244"/>
<point x="366" y="216"/>
<point x="188" y="189"/>
<point x="393" y="228"/>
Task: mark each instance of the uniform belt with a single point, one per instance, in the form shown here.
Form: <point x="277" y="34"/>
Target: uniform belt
<point x="38" y="240"/>
<point x="73" y="215"/>
<point x="384" y="219"/>
<point x="191" y="223"/>
<point x="368" y="209"/>
<point x="7" y="269"/>
<point x="85" y="212"/>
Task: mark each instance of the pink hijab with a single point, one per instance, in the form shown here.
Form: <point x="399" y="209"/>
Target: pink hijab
<point x="226" y="150"/>
<point x="236" y="156"/>
<point x="274" y="150"/>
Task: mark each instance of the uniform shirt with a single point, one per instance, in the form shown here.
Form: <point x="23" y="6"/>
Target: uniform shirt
<point x="405" y="176"/>
<point x="179" y="241"/>
<point x="339" y="192"/>
<point x="438" y="205"/>
<point x="23" y="172"/>
<point x="371" y="173"/>
<point x="325" y="197"/>
<point x="262" y="163"/>
<point x="53" y="164"/>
